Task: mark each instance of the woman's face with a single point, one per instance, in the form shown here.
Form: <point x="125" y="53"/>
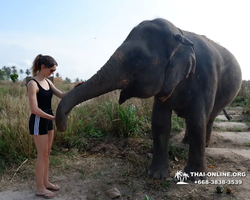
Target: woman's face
<point x="48" y="71"/>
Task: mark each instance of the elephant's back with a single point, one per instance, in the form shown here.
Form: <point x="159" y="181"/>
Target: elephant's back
<point x="209" y="47"/>
<point x="210" y="54"/>
<point x="218" y="68"/>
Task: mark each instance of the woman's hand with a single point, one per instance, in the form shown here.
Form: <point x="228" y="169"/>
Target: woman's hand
<point x="78" y="84"/>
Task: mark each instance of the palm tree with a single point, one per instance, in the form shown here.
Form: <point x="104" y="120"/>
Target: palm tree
<point x="21" y="72"/>
<point x="27" y="72"/>
<point x="77" y="80"/>
<point x="67" y="80"/>
<point x="14" y="71"/>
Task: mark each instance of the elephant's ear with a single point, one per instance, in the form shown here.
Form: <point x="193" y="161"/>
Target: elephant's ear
<point x="183" y="40"/>
<point x="181" y="63"/>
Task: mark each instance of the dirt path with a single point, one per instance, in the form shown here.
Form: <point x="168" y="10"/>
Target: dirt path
<point x="122" y="164"/>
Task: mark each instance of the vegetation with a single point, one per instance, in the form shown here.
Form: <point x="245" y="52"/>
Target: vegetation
<point x="97" y="118"/>
<point x="243" y="98"/>
<point x="97" y="126"/>
<point x="11" y="73"/>
<point x="14" y="77"/>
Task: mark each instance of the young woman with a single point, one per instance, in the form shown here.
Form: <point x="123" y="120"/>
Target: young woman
<point x="40" y="92"/>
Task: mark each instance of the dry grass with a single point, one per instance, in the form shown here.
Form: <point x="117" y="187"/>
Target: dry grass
<point x="86" y="120"/>
<point x="15" y="142"/>
<point x="98" y="118"/>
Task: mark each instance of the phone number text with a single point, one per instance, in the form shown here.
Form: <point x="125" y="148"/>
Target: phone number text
<point x="222" y="182"/>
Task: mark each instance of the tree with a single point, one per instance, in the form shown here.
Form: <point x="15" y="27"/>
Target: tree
<point x="27" y="72"/>
<point x="2" y="75"/>
<point x="77" y="80"/>
<point x="21" y="72"/>
<point x="13" y="71"/>
<point x="57" y="74"/>
<point x="67" y="80"/>
<point x="14" y="77"/>
<point x="7" y="72"/>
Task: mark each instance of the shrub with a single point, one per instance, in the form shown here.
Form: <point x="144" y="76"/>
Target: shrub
<point x="14" y="77"/>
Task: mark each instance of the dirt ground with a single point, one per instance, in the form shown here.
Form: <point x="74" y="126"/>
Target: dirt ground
<point x="122" y="164"/>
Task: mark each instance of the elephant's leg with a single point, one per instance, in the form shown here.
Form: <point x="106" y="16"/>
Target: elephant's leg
<point x="185" y="140"/>
<point x="209" y="131"/>
<point x="161" y="127"/>
<point x="196" y="125"/>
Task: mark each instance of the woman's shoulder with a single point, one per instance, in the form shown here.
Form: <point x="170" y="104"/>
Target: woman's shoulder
<point x="32" y="83"/>
<point x="32" y="86"/>
<point x="49" y="81"/>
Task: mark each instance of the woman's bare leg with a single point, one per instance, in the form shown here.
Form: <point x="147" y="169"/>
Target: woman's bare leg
<point x="41" y="142"/>
<point x="46" y="181"/>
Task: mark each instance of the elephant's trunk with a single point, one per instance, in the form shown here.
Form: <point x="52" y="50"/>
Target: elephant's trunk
<point x="107" y="79"/>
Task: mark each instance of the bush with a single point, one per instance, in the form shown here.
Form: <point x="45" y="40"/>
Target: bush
<point x="14" y="77"/>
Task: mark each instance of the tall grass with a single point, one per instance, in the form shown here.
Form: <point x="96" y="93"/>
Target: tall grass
<point x="98" y="117"/>
<point x="14" y="112"/>
<point x="15" y="141"/>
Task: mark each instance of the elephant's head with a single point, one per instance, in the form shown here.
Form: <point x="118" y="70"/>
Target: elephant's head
<point x="151" y="61"/>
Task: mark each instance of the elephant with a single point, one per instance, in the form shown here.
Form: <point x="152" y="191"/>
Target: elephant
<point x="184" y="72"/>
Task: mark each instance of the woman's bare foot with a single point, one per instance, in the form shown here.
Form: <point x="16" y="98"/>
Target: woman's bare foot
<point x="51" y="186"/>
<point x="45" y="194"/>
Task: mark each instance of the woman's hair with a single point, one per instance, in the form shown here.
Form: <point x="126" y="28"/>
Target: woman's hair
<point x="40" y="60"/>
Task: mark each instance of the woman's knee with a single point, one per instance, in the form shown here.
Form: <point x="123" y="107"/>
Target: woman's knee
<point x="43" y="155"/>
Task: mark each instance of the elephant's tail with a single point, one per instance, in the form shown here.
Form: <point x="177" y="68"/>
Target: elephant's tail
<point x="227" y="115"/>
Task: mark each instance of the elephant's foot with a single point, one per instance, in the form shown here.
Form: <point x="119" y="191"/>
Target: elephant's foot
<point x="196" y="172"/>
<point x="159" y="170"/>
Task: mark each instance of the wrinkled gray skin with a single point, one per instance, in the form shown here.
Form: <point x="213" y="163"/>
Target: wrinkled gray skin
<point x="185" y="72"/>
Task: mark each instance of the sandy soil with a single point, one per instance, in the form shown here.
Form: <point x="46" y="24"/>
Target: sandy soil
<point x="122" y="164"/>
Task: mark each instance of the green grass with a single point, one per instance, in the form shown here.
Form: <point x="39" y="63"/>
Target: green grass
<point x="177" y="123"/>
<point x="239" y="101"/>
<point x="238" y="129"/>
<point x="123" y="120"/>
<point x="180" y="153"/>
<point x="247" y="144"/>
<point x="146" y="197"/>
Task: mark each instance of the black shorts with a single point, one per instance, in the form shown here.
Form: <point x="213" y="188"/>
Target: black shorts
<point x="39" y="125"/>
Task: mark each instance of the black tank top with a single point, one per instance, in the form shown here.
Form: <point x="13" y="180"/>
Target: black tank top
<point x="44" y="97"/>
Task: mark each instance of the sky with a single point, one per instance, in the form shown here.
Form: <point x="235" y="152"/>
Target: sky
<point x="82" y="34"/>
